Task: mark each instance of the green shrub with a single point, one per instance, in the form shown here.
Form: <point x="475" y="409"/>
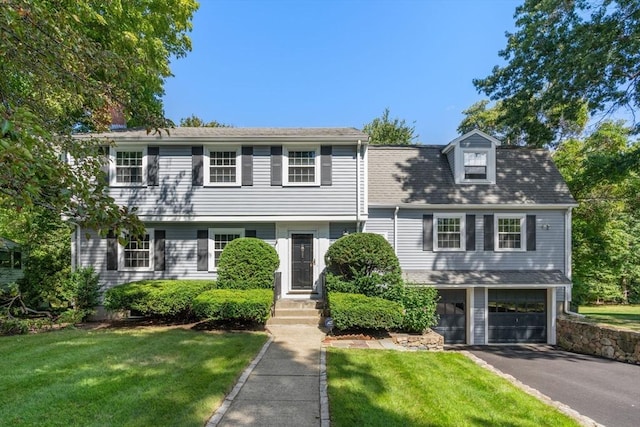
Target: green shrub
<point x="157" y="298"/>
<point x="350" y="311"/>
<point x="82" y="290"/>
<point x="247" y="263"/>
<point x="13" y="326"/>
<point x="419" y="308"/>
<point x="251" y="305"/>
<point x="368" y="263"/>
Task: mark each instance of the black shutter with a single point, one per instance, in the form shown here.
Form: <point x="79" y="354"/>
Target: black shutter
<point x="276" y="165"/>
<point x="325" y="164"/>
<point x="152" y="165"/>
<point x="471" y="232"/>
<point x="427" y="232"/>
<point x="196" y="159"/>
<point x="247" y="166"/>
<point x="103" y="152"/>
<point x="531" y="232"/>
<point x="203" y="250"/>
<point x="488" y="233"/>
<point x="158" y="250"/>
<point x="250" y="233"/>
<point x="112" y="251"/>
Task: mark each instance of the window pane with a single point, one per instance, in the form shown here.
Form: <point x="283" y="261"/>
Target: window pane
<point x="5" y="259"/>
<point x="136" y="252"/>
<point x="220" y="240"/>
<point x="222" y="166"/>
<point x="129" y="167"/>
<point x="475" y="165"/>
<point x="509" y="233"/>
<point x="449" y="233"/>
<point x="302" y="166"/>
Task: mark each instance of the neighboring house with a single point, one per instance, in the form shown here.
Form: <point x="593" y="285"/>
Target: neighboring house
<point x="488" y="226"/>
<point x="10" y="261"/>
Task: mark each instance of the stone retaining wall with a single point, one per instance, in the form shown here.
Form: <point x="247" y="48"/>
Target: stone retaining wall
<point x="604" y="341"/>
<point x="430" y="340"/>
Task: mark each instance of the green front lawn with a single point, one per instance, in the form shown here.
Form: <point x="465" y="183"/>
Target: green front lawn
<point x="387" y="388"/>
<point x="127" y="377"/>
<point x="622" y="316"/>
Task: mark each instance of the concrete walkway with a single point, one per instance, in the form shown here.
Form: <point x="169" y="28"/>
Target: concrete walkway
<point x="284" y="386"/>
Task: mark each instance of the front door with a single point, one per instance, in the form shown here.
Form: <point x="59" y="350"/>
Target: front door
<point x="302" y="260"/>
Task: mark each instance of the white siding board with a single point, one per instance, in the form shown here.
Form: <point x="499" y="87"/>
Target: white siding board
<point x="479" y="315"/>
<point x="381" y="221"/>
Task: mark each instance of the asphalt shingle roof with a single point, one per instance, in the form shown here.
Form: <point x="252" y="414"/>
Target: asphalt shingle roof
<point x="421" y="175"/>
<point x="486" y="278"/>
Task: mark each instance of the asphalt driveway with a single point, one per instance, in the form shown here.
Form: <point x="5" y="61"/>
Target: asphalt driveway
<point x="604" y="390"/>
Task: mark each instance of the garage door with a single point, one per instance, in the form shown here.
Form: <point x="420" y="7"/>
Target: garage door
<point x="451" y="309"/>
<point x="517" y="315"/>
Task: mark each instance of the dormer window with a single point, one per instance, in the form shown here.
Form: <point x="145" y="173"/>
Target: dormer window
<point x="475" y="165"/>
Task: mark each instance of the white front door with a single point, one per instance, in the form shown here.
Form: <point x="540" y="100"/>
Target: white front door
<point x="301" y="248"/>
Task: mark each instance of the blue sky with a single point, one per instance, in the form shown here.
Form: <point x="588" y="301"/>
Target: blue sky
<point x="286" y="63"/>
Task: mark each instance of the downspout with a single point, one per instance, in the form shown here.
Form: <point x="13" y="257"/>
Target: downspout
<point x="395" y="230"/>
<point x="567" y="262"/>
<point x="358" y="186"/>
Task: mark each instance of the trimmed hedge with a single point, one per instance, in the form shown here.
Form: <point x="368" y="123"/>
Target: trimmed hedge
<point x="234" y="304"/>
<point x="419" y="308"/>
<point x="350" y="311"/>
<point x="157" y="298"/>
<point x="247" y="263"/>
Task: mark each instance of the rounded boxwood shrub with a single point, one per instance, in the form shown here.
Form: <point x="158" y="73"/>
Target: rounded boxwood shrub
<point x="252" y="305"/>
<point x="351" y="311"/>
<point x="368" y="263"/>
<point x="157" y="298"/>
<point x="419" y="308"/>
<point x="247" y="263"/>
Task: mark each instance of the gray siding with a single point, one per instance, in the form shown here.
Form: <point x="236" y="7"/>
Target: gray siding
<point x="479" y="315"/>
<point x="549" y="253"/>
<point x="176" y="195"/>
<point x="381" y="221"/>
<point x="338" y="229"/>
<point x="451" y="159"/>
<point x="560" y="294"/>
<point x="475" y="141"/>
<point x="180" y="253"/>
<point x="10" y="275"/>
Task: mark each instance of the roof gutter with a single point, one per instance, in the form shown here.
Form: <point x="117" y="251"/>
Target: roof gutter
<point x="486" y="206"/>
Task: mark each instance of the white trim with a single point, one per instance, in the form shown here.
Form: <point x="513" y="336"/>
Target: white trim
<point x="121" y="266"/>
<point x="551" y="316"/>
<point x="211" y="261"/>
<point x="491" y="165"/>
<point x="470" y="316"/>
<point x="112" y="166"/>
<point x="451" y="144"/>
<point x="501" y="286"/>
<point x="485" y="316"/>
<point x="523" y="232"/>
<point x="249" y="218"/>
<point x="567" y="245"/>
<point x="365" y="162"/>
<point x="285" y="166"/>
<point x="207" y="166"/>
<point x="395" y="230"/>
<point x="463" y="230"/>
<point x="472" y="206"/>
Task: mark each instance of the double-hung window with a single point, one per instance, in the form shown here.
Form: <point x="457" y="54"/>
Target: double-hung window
<point x="510" y="232"/>
<point x="475" y="165"/>
<point x="218" y="239"/>
<point x="128" y="166"/>
<point x="137" y="253"/>
<point x="11" y="259"/>
<point x="224" y="167"/>
<point x="301" y="166"/>
<point x="448" y="232"/>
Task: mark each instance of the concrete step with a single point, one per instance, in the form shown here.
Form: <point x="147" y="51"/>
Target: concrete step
<point x="298" y="312"/>
<point x="296" y="320"/>
<point x="299" y="303"/>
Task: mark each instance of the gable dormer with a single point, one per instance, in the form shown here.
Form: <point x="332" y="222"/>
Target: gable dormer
<point x="472" y="158"/>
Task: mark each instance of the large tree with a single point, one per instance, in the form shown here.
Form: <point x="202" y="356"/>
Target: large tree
<point x="195" y="121"/>
<point x="65" y="64"/>
<point x="383" y="130"/>
<point x="606" y="224"/>
<point x="565" y="56"/>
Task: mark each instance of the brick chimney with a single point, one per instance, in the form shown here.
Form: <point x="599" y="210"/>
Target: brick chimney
<point x="117" y="117"/>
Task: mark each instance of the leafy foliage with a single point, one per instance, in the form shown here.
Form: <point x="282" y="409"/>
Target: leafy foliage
<point x="157" y="298"/>
<point x="366" y="262"/>
<point x="606" y="224"/>
<point x="246" y="305"/>
<point x="385" y="131"/>
<point x="350" y="311"/>
<point x="247" y="263"/>
<point x="82" y="290"/>
<point x="65" y="66"/>
<point x="566" y="54"/>
<point x="195" y="121"/>
<point x="419" y="308"/>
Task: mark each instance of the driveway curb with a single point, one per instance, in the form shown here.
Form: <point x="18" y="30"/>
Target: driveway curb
<point x="565" y="409"/>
